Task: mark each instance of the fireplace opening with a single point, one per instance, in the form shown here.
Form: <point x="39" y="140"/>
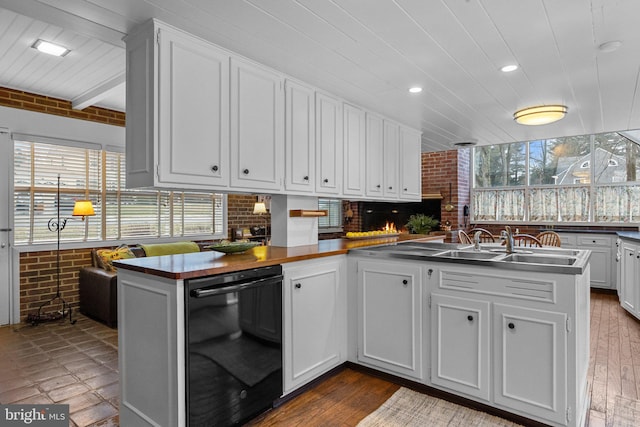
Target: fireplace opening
<point x="375" y="215"/>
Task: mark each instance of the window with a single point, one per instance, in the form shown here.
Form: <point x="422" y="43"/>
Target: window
<point x="88" y="172"/>
<point x="333" y="221"/>
<point x="589" y="178"/>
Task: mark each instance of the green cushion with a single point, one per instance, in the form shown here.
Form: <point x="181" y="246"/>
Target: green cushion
<point x="170" y="248"/>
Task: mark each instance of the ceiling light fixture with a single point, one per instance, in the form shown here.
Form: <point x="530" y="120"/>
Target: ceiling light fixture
<point x="415" y="89"/>
<point x="610" y="46"/>
<point x="542" y="115"/>
<point x="509" y="68"/>
<point x="50" y="48"/>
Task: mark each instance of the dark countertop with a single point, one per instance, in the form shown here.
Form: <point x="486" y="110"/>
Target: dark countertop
<point x="207" y="263"/>
<point x="630" y="235"/>
<point x="588" y="230"/>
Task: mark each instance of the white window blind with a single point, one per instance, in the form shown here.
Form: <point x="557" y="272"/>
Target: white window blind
<point x="98" y="175"/>
<point x="334" y="219"/>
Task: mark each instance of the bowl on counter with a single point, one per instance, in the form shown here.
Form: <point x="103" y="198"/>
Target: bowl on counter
<point x="233" y="247"/>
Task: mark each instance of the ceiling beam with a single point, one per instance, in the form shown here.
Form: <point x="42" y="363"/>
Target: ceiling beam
<point x="98" y="93"/>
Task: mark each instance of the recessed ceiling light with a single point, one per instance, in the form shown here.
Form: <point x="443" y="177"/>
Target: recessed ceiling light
<point x="50" y="48"/>
<point x="415" y="89"/>
<point x="509" y="68"/>
<point x="542" y="115"/>
<point x="610" y="46"/>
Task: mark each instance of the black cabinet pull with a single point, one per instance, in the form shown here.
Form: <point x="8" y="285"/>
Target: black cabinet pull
<point x="246" y="171"/>
<point x="298" y="285"/>
<point x="390" y="188"/>
<point x="378" y="186"/>
<point x="405" y="189"/>
<point x="511" y="326"/>
<point x="214" y="168"/>
<point x="405" y="282"/>
<point x="306" y="178"/>
<point x="470" y="318"/>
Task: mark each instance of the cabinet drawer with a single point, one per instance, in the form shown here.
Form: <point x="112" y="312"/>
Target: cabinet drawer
<point x="602" y="241"/>
<point x="567" y="240"/>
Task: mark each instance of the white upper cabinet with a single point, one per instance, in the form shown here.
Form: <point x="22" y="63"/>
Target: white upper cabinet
<point x="299" y="138"/>
<point x="257" y="118"/>
<point x="410" y="164"/>
<point x="353" y="179"/>
<point x="328" y="145"/>
<point x="391" y="153"/>
<point x="374" y="156"/>
<point x="177" y="119"/>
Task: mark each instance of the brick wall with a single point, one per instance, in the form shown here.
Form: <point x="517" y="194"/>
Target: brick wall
<point x="240" y="213"/>
<point x="59" y="107"/>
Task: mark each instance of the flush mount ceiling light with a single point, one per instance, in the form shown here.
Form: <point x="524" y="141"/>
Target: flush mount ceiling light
<point x="542" y="115"/>
<point x="509" y="68"/>
<point x="50" y="48"/>
<point x="415" y="89"/>
<point x="610" y="46"/>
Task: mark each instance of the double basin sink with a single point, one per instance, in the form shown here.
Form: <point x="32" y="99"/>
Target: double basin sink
<point x="522" y="258"/>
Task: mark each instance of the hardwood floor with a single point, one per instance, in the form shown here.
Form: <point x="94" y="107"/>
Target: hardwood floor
<point x="614" y="370"/>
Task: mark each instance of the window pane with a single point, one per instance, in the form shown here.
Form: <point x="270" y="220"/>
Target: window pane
<point x="334" y="219"/>
<point x="500" y="165"/>
<point x="560" y="161"/>
<point x="573" y="204"/>
<point x="138" y="214"/>
<point x="498" y="205"/>
<point x="616" y="159"/>
<point x="543" y="204"/>
<point x="198" y="214"/>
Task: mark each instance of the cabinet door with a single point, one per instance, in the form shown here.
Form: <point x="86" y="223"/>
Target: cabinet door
<point x="313" y="327"/>
<point x="193" y="110"/>
<point x="600" y="262"/>
<point x="460" y="345"/>
<point x="374" y="155"/>
<point x="299" y="138"/>
<point x="389" y="329"/>
<point x="257" y="126"/>
<point x="353" y="175"/>
<point x="328" y="144"/>
<point x="411" y="165"/>
<point x="391" y="156"/>
<point x="530" y="356"/>
<point x="629" y="280"/>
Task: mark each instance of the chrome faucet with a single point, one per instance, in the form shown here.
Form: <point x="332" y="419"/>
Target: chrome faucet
<point x="508" y="238"/>
<point x="476" y="241"/>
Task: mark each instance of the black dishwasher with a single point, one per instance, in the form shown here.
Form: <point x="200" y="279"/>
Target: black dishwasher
<point x="234" y="345"/>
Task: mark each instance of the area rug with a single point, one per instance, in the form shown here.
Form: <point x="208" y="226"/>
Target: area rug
<point x="408" y="408"/>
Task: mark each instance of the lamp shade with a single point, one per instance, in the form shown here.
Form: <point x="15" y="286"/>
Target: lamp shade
<point x="541" y="115"/>
<point x="83" y="208"/>
<point x="259" y="208"/>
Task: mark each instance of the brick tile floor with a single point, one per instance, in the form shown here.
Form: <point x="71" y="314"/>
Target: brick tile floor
<point x="56" y="362"/>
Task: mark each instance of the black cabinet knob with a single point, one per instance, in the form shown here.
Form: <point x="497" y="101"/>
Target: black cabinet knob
<point x="306" y="178"/>
<point x="214" y="168"/>
<point x="470" y="318"/>
<point x="325" y="180"/>
<point x="246" y="171"/>
<point x="511" y="326"/>
<point x="298" y="285"/>
<point x="378" y="186"/>
<point x="405" y="282"/>
<point x="390" y="188"/>
<point x="405" y="189"/>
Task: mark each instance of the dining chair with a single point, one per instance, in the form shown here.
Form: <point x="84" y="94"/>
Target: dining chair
<point x="485" y="235"/>
<point x="549" y="238"/>
<point x="526" y="240"/>
<point x="464" y="238"/>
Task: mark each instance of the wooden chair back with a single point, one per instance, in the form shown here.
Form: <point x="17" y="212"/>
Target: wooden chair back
<point x="485" y="235"/>
<point x="549" y="238"/>
<point x="526" y="240"/>
<point x="463" y="237"/>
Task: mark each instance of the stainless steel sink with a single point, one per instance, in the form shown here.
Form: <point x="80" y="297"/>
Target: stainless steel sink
<point x="540" y="259"/>
<point x="468" y="255"/>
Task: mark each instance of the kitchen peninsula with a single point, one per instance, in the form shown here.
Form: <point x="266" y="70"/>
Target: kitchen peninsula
<point x="522" y="347"/>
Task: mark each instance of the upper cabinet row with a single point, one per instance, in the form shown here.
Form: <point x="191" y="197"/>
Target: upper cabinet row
<point x="199" y="117"/>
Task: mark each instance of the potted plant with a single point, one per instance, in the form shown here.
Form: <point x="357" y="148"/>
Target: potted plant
<point x="421" y="224"/>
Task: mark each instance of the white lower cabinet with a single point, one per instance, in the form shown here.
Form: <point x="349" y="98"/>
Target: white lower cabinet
<point x="603" y="255"/>
<point x="529" y="348"/>
<point x="460" y="344"/>
<point x="629" y="273"/>
<point x="314" y="319"/>
<point x="389" y="317"/>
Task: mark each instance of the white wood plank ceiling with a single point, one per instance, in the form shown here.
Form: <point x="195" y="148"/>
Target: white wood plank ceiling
<point x="368" y="52"/>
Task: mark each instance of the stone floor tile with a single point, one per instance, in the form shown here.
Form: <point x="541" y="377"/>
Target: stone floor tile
<point x="102" y="380"/>
<point x="82" y="401"/>
<point x="33" y="360"/>
<point x="93" y="414"/>
<point x="47" y="373"/>
<point x="17" y="394"/>
<point x="68" y="392"/>
<point x="111" y="422"/>
<point x="89" y="344"/>
<point x="107" y="357"/>
<point x="13" y="383"/>
<point x="110" y="391"/>
<point x="36" y="399"/>
<point x="57" y="382"/>
<point x="79" y="364"/>
<point x="92" y="371"/>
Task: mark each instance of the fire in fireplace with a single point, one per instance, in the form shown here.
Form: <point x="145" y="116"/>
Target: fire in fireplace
<point x="378" y="215"/>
